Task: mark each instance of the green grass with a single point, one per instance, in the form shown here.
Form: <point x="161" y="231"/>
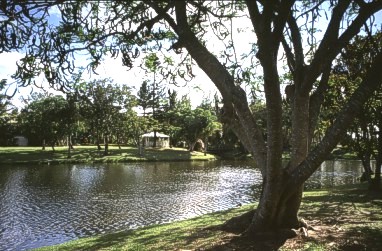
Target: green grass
<point x="90" y="154"/>
<point x="345" y="218"/>
<point x="186" y="234"/>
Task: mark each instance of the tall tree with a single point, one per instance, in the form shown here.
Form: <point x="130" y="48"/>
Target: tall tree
<point x="102" y="103"/>
<point x="280" y="27"/>
<point x="351" y="67"/>
<point x="46" y="120"/>
<point x="144" y="97"/>
<point x="152" y="65"/>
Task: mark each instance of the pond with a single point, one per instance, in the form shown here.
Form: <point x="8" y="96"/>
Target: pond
<point x="46" y="205"/>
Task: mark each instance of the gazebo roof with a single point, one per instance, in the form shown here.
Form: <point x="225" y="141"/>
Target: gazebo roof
<point x="151" y="135"/>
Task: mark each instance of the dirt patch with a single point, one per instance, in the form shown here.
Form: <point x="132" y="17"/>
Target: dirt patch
<point x="350" y="220"/>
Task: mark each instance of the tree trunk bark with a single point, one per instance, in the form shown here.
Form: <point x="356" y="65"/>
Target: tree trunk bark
<point x="366" y="176"/>
<point x="205" y="146"/>
<point x="69" y="147"/>
<point x="106" y="142"/>
<point x="376" y="182"/>
<point x="118" y="142"/>
<point x="140" y="150"/>
<point x="277" y="210"/>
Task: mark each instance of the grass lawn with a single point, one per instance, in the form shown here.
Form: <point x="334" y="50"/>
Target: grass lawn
<point x="84" y="154"/>
<point x="344" y="218"/>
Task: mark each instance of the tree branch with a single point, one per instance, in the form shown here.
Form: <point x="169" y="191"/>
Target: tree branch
<point x="315" y="102"/>
<point x="298" y="50"/>
<point x="331" y="44"/>
<point x="289" y="56"/>
<point x="234" y="98"/>
<point x="255" y="15"/>
<point x="283" y="14"/>
<point x="371" y="82"/>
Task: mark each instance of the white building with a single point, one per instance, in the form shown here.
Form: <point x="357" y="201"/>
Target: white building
<point x="21" y="141"/>
<point x="163" y="140"/>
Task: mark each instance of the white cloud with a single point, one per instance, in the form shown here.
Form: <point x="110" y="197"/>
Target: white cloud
<point x="8" y="64"/>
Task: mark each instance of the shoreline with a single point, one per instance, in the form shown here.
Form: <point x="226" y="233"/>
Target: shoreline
<point x="90" y="154"/>
<point x="348" y="213"/>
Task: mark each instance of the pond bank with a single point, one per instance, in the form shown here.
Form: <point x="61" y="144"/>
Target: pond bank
<point x="90" y="154"/>
<point x="344" y="218"/>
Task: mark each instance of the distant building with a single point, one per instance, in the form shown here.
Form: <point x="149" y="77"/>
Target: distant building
<point x="163" y="140"/>
<point x="21" y="141"/>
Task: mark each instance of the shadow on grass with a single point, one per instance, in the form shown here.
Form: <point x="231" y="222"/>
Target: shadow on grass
<point x="147" y="239"/>
<point x="167" y="154"/>
<point x="21" y="155"/>
<point x="362" y="238"/>
<point x="189" y="234"/>
<point x="350" y="217"/>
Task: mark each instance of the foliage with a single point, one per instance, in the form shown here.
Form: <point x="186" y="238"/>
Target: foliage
<point x="144" y="97"/>
<point x="102" y="104"/>
<point x="7" y="117"/>
<point x="351" y="67"/>
<point x="192" y="124"/>
<point x="46" y="119"/>
<point x="136" y="126"/>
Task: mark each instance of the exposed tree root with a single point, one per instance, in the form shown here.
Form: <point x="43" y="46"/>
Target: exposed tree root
<point x="271" y="240"/>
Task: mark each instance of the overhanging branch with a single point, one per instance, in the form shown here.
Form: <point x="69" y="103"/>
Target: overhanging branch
<point x="371" y="82"/>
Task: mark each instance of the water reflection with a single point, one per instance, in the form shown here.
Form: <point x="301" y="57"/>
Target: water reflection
<point x="52" y="204"/>
<point x="45" y="205"/>
<point x="334" y="173"/>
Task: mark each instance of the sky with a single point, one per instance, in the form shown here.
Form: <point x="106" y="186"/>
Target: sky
<point x="200" y="87"/>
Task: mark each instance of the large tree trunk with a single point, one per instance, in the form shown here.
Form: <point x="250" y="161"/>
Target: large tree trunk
<point x="277" y="210"/>
<point x="281" y="196"/>
<point x="376" y="181"/>
<point x="366" y="176"/>
<point x="282" y="187"/>
<point x="275" y="213"/>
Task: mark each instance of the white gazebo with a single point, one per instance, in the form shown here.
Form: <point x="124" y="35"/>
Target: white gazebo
<point x="163" y="140"/>
<point x="20" y="140"/>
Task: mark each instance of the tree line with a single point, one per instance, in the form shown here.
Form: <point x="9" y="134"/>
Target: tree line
<point x="101" y="112"/>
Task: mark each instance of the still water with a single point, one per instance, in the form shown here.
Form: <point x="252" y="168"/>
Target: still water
<point x="46" y="205"/>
